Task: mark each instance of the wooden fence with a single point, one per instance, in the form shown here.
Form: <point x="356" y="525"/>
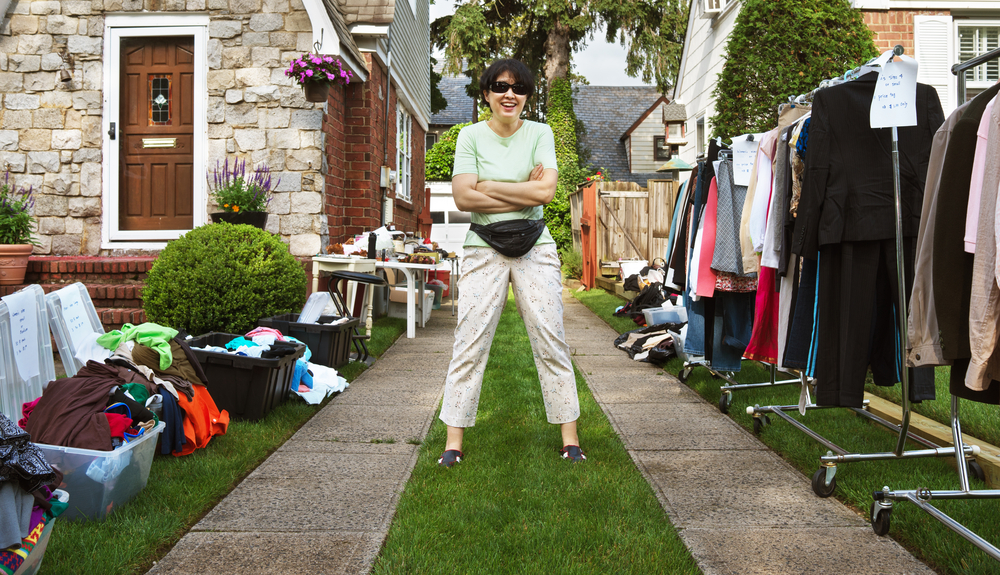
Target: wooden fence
<point x="621" y="220"/>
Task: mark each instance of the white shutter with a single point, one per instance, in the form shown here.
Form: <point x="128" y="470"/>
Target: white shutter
<point x="935" y="54"/>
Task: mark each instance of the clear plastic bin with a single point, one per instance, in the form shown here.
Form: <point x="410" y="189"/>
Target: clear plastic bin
<point x="101" y="481"/>
<point x="33" y="562"/>
<point x="71" y="311"/>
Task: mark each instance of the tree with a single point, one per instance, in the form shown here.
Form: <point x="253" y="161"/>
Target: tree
<point x="440" y="159"/>
<point x="438" y="101"/>
<point x="781" y="48"/>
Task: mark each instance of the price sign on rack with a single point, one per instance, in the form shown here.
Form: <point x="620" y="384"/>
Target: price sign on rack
<point x="744" y="154"/>
<point x="895" y="100"/>
<point x="75" y="316"/>
<point x="23" y="309"/>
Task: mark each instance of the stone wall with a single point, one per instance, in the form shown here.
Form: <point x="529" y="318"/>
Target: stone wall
<point x="51" y="131"/>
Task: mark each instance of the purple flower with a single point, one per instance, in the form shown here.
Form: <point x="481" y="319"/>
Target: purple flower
<point x="309" y="73"/>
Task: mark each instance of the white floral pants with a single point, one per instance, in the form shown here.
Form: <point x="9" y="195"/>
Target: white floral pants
<point x="538" y="292"/>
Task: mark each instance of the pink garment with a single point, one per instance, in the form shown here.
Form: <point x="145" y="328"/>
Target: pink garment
<point x="764" y="338"/>
<point x="706" y="275"/>
<point x="26" y="410"/>
<point x="976" y="184"/>
<point x="263" y="330"/>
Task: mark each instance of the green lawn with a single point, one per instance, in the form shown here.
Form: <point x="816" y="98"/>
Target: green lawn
<point x="182" y="489"/>
<point x="513" y="506"/>
<point x="925" y="537"/>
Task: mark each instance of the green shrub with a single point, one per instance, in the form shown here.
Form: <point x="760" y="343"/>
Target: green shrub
<point x="562" y="120"/>
<point x="440" y="159"/>
<point x="572" y="264"/>
<point x="223" y="277"/>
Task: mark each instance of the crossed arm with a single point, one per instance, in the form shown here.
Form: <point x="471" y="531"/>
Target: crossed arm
<point x="489" y="197"/>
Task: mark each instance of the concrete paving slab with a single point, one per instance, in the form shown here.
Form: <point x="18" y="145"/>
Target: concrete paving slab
<point x="670" y="418"/>
<point x="421" y="395"/>
<point x="223" y="553"/>
<point x="303" y="465"/>
<point x="696" y="439"/>
<point x="823" y="550"/>
<point x="413" y="363"/>
<point x="635" y="389"/>
<point x="305" y="505"/>
<point x="348" y="423"/>
<point x="730" y="488"/>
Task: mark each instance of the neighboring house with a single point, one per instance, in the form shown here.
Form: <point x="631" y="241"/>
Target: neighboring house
<point x="629" y="131"/>
<point x="449" y="225"/>
<point x="115" y="110"/>
<point x="937" y="33"/>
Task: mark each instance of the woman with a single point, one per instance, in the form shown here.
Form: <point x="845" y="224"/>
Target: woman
<point x="505" y="171"/>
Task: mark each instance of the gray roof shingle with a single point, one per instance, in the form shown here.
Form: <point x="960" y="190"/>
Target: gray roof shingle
<point x="607" y="112"/>
<point x="459" y="110"/>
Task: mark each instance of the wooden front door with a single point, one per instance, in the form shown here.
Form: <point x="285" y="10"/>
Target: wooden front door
<point x="156" y="183"/>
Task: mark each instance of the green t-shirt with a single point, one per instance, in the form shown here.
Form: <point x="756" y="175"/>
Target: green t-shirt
<point x="479" y="150"/>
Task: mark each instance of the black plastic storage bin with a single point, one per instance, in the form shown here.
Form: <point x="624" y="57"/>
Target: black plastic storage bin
<point x="330" y="344"/>
<point x="246" y="387"/>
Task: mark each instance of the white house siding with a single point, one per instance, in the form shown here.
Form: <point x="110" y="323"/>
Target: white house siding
<point x="702" y="61"/>
<point x="411" y="58"/>
<point x="51" y="133"/>
<point x="642" y="142"/>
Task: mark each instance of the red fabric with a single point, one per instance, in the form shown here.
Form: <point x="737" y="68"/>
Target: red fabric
<point x="764" y="339"/>
<point x="202" y="420"/>
<point x="26" y="410"/>
<point x="118" y="423"/>
<point x="706" y="275"/>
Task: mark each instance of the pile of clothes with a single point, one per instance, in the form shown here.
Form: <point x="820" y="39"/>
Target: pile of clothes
<point x="652" y="344"/>
<point x="27" y="502"/>
<point x="310" y="381"/>
<point x="145" y="368"/>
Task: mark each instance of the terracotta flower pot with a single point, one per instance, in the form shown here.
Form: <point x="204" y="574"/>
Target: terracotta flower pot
<point x="317" y="91"/>
<point x="255" y="219"/>
<point x="13" y="263"/>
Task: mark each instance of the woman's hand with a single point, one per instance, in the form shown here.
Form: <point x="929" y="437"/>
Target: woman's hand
<point x="536" y="173"/>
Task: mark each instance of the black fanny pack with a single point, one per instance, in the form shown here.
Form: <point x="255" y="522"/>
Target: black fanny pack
<point x="512" y="238"/>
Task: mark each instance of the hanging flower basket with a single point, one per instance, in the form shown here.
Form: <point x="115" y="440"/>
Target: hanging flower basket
<point x="316" y="73"/>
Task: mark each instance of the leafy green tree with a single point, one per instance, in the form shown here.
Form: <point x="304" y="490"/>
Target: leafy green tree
<point x="562" y="120"/>
<point x="781" y="48"/>
<point x="440" y="159"/>
<point x="438" y="101"/>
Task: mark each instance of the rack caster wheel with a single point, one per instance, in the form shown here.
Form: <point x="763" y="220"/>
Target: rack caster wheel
<point x="759" y="423"/>
<point x="725" y="400"/>
<point x="975" y="470"/>
<point x="880" y="520"/>
<point x="684" y="375"/>
<point x="820" y="488"/>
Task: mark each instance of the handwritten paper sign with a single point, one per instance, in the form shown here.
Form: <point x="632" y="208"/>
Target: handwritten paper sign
<point x="744" y="154"/>
<point x="75" y="316"/>
<point x="23" y="309"/>
<point x="895" y="100"/>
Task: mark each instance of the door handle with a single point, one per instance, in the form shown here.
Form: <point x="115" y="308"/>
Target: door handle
<point x="111" y="131"/>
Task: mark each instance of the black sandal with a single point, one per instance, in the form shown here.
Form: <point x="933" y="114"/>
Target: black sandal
<point x="450" y="457"/>
<point x="572" y="453"/>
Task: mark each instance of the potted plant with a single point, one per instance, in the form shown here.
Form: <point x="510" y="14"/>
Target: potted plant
<point x="316" y="72"/>
<point x="242" y="198"/>
<point x="16" y="229"/>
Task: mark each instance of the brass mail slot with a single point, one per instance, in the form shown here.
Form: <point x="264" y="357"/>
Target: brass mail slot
<point x="159" y="142"/>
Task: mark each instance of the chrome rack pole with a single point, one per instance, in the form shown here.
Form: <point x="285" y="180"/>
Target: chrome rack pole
<point x="904" y="425"/>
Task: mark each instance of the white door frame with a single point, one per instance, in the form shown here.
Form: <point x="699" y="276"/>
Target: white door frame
<point x="117" y="28"/>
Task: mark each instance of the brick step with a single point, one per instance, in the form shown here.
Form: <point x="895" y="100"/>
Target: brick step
<point x="103" y="295"/>
<point x="88" y="269"/>
<point x="115" y="318"/>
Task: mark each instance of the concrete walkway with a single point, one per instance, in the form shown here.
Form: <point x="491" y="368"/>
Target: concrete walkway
<point x="324" y="501"/>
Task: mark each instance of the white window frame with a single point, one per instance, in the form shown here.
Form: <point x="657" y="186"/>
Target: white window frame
<point x="117" y="28"/>
<point x="701" y="135"/>
<point x="404" y="152"/>
<point x="977" y="23"/>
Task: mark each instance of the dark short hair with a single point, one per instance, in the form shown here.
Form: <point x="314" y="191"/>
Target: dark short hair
<point x="520" y="72"/>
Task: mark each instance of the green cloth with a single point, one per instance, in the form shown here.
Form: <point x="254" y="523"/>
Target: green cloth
<point x="140" y="394"/>
<point x="479" y="150"/>
<point x="57" y="508"/>
<point x="148" y="334"/>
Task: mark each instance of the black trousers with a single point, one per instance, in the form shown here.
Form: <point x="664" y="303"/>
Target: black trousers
<point x="858" y="322"/>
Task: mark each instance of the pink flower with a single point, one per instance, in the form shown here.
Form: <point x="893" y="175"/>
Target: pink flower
<point x="330" y="76"/>
<point x="309" y="73"/>
<point x="315" y="60"/>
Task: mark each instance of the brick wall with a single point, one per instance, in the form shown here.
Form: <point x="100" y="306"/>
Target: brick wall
<point x="893" y="27"/>
<point x="356" y="149"/>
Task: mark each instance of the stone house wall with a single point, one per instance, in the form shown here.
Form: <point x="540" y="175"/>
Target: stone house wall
<point x="51" y="131"/>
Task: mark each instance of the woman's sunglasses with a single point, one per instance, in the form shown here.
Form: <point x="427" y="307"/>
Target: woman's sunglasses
<point x="502" y="87"/>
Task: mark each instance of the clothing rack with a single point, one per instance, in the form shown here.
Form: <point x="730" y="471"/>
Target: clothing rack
<point x="824" y="480"/>
<point x="881" y="508"/>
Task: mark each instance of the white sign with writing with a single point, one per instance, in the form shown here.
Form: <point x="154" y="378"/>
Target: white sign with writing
<point x="895" y="100"/>
<point x="744" y="154"/>
<point x="23" y="309"/>
<point x="75" y="316"/>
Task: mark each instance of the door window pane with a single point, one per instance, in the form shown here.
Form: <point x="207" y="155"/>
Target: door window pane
<point x="159" y="100"/>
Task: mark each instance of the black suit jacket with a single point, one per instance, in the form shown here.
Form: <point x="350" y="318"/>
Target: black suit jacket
<point x="848" y="186"/>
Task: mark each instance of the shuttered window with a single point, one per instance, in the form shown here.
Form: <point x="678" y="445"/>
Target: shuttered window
<point x="404" y="153"/>
<point x="934" y="39"/>
<point x="974" y="41"/>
